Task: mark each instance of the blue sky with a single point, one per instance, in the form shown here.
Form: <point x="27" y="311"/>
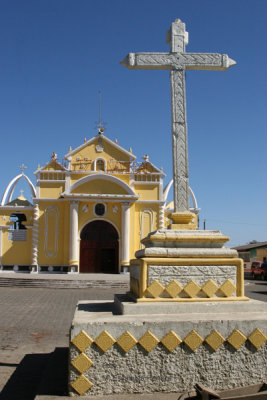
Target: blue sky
<point x="55" y="55"/>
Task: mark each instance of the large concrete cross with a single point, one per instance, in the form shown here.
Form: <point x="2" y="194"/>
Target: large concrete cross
<point x="178" y="61"/>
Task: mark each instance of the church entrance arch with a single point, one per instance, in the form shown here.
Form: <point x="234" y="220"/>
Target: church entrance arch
<point x="99" y="248"/>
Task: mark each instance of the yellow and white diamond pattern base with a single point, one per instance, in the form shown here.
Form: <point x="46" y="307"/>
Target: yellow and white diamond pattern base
<point x="257" y="338"/>
<point x="215" y="340"/>
<point x="192" y="290"/>
<point x="82" y="341"/>
<point x="81" y="385"/>
<point x="155" y="289"/>
<point x="173" y="289"/>
<point x="193" y="340"/>
<point x="149" y="341"/>
<point x="104" y="341"/>
<point x="126" y="341"/>
<point x="82" y="363"/>
<point x="236" y="339"/>
<point x="209" y="288"/>
<point x="171" y="341"/>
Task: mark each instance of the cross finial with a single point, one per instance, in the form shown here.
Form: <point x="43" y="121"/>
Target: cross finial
<point x="21" y="192"/>
<point x="22" y="167"/>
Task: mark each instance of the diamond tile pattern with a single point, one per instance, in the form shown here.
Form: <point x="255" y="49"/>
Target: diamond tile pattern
<point x="257" y="338"/>
<point x="192" y="289"/>
<point x="173" y="289"/>
<point x="193" y="340"/>
<point x="171" y="341"/>
<point x="82" y="363"/>
<point x="215" y="340"/>
<point x="82" y="341"/>
<point x="148" y="341"/>
<point x="155" y="289"/>
<point x="236" y="339"/>
<point x="227" y="288"/>
<point x="81" y="385"/>
<point x="104" y="341"/>
<point x="126" y="341"/>
<point x="209" y="288"/>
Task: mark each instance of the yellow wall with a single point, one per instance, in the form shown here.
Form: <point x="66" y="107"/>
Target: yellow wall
<point x="51" y="190"/>
<point x="100" y="187"/>
<point x="15" y="252"/>
<point x="147" y="192"/>
<point x="52" y="234"/>
<point x="109" y="152"/>
<point x="142" y="221"/>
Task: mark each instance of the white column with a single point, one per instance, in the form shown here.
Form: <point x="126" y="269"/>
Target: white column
<point x="161" y="224"/>
<point x="125" y="229"/>
<point x="74" y="240"/>
<point x="35" y="237"/>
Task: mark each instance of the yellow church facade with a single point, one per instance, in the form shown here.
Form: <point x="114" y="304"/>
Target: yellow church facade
<point x="88" y="213"/>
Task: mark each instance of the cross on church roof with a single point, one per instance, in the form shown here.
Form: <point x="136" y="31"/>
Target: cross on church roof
<point x="22" y="167"/>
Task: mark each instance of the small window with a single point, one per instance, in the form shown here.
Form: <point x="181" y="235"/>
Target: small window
<point x="17" y="220"/>
<point x="100" y="165"/>
<point x="100" y="209"/>
<point x="17" y="232"/>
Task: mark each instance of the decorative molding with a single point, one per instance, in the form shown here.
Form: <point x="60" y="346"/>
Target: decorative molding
<point x="51" y="228"/>
<point x="35" y="234"/>
<point x="149" y="212"/>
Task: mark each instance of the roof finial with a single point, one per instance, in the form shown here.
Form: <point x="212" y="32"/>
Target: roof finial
<point x="146" y="158"/>
<point x="100" y="125"/>
<point x="22" y="167"/>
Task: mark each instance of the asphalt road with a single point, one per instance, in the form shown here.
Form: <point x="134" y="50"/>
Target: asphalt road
<point x="34" y="328"/>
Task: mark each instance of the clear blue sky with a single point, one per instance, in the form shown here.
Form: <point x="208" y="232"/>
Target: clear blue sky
<point x="55" y="55"/>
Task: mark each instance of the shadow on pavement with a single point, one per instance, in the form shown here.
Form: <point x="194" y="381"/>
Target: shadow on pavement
<point x="39" y="374"/>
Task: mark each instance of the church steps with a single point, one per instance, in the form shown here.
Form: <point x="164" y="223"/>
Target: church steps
<point x="61" y="284"/>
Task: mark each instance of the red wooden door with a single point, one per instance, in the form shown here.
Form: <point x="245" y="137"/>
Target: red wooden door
<point x="99" y="248"/>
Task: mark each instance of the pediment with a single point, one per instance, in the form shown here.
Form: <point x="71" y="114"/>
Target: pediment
<point x="53" y="165"/>
<point x="98" y="147"/>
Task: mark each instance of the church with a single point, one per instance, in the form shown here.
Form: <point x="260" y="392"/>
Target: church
<point x="88" y="213"/>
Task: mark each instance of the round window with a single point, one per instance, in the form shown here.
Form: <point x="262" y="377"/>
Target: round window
<point x="100" y="209"/>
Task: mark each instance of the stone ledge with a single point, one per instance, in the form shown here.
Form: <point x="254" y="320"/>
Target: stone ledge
<point x="169" y="252"/>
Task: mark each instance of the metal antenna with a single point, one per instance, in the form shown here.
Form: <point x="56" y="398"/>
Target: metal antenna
<point x="100" y="126"/>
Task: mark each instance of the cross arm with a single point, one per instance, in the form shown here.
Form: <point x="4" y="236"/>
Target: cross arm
<point x="201" y="61"/>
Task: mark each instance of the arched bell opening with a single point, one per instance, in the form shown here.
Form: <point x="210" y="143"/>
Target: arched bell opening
<point x="99" y="248"/>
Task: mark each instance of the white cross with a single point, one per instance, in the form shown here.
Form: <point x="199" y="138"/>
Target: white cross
<point x="177" y="61"/>
<point x="22" y="167"/>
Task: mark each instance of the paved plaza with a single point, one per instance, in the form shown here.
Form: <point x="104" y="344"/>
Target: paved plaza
<point x="34" y="332"/>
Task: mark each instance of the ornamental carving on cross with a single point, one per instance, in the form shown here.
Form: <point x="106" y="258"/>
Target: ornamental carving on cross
<point x="177" y="61"/>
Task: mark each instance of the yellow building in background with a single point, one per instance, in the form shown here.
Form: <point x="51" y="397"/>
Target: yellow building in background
<point x="88" y="213"/>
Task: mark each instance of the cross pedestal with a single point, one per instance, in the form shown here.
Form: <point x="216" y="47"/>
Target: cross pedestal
<point x="186" y="318"/>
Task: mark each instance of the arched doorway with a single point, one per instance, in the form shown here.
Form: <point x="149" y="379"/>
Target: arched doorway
<point x="99" y="248"/>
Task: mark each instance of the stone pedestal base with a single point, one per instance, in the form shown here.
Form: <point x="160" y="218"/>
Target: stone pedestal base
<point x="146" y="353"/>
